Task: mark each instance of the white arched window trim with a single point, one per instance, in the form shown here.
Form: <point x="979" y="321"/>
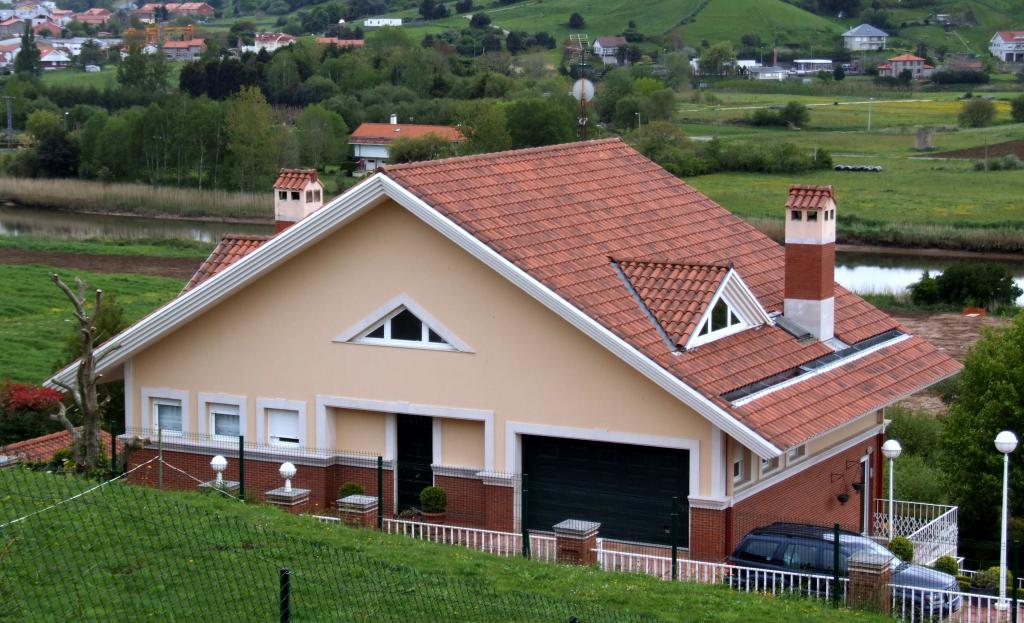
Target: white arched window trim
<point x="359" y="333"/>
<point x="743" y="312"/>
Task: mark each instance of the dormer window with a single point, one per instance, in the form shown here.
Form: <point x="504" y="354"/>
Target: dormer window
<point x="722" y="317"/>
<point x="403" y="326"/>
<point x="402" y="322"/>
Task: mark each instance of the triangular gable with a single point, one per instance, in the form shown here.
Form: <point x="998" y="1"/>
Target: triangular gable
<point x="344" y="209"/>
<point x="733" y="309"/>
<point x="378" y="328"/>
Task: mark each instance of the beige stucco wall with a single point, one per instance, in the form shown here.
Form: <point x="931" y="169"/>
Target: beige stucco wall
<point x="274" y="340"/>
<point x="462" y="443"/>
<point x="355" y="431"/>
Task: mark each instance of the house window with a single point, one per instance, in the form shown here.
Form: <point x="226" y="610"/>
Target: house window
<point x="309" y="196"/>
<point x="795" y="215"/>
<point x="225" y="420"/>
<point x="296" y="195"/>
<point x="812" y="216"/>
<point x="738" y="473"/>
<point x="405" y="327"/>
<point x="797" y="453"/>
<point x="316" y="195"/>
<point x="722" y="317"/>
<point x="167" y="415"/>
<point x="283" y="427"/>
<point x="282" y="195"/>
<point x="769" y="465"/>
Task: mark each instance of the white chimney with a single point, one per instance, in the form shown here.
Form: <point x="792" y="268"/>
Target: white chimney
<point x="811" y="259"/>
<point x="394" y="119"/>
<point x="297" y="194"/>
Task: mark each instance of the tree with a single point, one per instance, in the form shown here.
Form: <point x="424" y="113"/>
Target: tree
<point x="576" y="21"/>
<point x="984" y="284"/>
<point x="321" y="136"/>
<point x="717" y="59"/>
<point x="91" y="54"/>
<point x="484" y="125"/>
<point x="480" y="20"/>
<point x="1017" y="109"/>
<point x="42" y="124"/>
<point x="463" y="6"/>
<point x="977" y="113"/>
<point x="85" y="441"/>
<point x="427" y="8"/>
<point x="144" y="73"/>
<point x="252" y="139"/>
<point x="28" y="62"/>
<point x="677" y="70"/>
<point x="795" y="114"/>
<point x="417" y="148"/>
<point x="989" y="399"/>
<point x="905" y="78"/>
<point x="536" y="121"/>
<point x="839" y="73"/>
<point x="58" y="156"/>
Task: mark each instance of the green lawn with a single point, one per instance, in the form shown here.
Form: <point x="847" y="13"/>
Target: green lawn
<point x="777" y="23"/>
<point x="128" y="553"/>
<point x="35" y="318"/>
<point x="158" y="247"/>
<point x="107" y="77"/>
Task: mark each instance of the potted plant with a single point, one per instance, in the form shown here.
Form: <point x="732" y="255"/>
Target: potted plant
<point x="433" y="502"/>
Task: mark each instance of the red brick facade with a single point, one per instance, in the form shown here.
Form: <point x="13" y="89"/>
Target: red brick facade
<point x="810" y="271"/>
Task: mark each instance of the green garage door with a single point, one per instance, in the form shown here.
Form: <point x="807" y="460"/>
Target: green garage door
<point x="628" y="489"/>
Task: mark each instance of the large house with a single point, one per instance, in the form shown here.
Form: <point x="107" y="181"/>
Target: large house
<point x="370" y="141"/>
<point x="197" y="10"/>
<point x="865" y="37"/>
<point x="95" y="16"/>
<point x="1008" y="46"/>
<point x="607" y="49"/>
<point x="269" y="41"/>
<point x="918" y="67"/>
<point x="572" y="312"/>
<point x="187" y="50"/>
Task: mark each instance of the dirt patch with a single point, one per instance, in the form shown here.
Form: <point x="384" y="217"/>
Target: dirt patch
<point x="954" y="335"/>
<point x="174" y="267"/>
<point x="994" y="151"/>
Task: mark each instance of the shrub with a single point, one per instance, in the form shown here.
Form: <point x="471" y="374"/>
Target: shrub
<point x="951" y="76"/>
<point x="1017" y="108"/>
<point x="917" y="479"/>
<point x="977" y="113"/>
<point x="918" y="432"/>
<point x="433" y="500"/>
<point x="350" y="488"/>
<point x="576" y="21"/>
<point x="947" y="564"/>
<point x="987" y="580"/>
<point x="983" y="284"/>
<point x="925" y="291"/>
<point x="903" y="548"/>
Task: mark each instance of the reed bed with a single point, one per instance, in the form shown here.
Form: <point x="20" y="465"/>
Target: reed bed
<point x="136" y="199"/>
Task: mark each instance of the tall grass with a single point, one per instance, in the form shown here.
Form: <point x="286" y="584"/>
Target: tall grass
<point x="136" y="199"/>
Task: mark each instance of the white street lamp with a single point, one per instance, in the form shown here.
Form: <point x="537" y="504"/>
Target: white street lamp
<point x="892" y="450"/>
<point x="219" y="464"/>
<point x="871" y="101"/>
<point x="1006" y="442"/>
<point x="287" y="472"/>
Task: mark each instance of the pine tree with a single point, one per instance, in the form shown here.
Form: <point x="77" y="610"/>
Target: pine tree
<point x="29" y="60"/>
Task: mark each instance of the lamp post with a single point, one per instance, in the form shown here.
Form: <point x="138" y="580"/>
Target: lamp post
<point x="871" y="101"/>
<point x="219" y="464"/>
<point x="1006" y="442"/>
<point x="892" y="450"/>
<point x="287" y="472"/>
<point x="637" y="119"/>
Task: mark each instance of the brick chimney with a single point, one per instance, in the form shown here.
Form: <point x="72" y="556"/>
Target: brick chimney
<point x="811" y="259"/>
<point x="297" y="194"/>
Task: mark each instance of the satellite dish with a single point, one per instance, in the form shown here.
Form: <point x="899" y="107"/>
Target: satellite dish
<point x="583" y="89"/>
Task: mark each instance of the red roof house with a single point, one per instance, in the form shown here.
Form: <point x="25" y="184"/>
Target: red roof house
<point x="370" y="140"/>
<point x="41" y="449"/>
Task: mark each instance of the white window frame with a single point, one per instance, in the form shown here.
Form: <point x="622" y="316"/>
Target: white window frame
<point x="739" y="478"/>
<point x="150" y="396"/>
<point x="796" y="454"/>
<point x="741" y="302"/>
<point x="207" y="400"/>
<point x="263" y="424"/>
<point x="357" y="333"/>
<point x="769" y="466"/>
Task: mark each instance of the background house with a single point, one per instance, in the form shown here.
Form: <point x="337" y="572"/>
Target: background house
<point x="95" y="16"/>
<point x="187" y="50"/>
<point x="269" y="41"/>
<point x="865" y="37"/>
<point x="370" y="140"/>
<point x="1008" y="46"/>
<point x="607" y="49"/>
<point x="378" y="22"/>
<point x="917" y="66"/>
<point x="768" y="73"/>
<point x="812" y="65"/>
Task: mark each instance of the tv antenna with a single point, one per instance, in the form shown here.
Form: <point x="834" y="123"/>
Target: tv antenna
<point x="582" y="89"/>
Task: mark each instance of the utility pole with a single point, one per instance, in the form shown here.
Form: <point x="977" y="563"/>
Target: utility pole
<point x="10" y="122"/>
<point x="871" y="101"/>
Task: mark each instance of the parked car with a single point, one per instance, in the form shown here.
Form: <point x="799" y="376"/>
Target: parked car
<point x="810" y="550"/>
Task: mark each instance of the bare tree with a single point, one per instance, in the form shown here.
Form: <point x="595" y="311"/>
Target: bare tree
<point x="85" y="442"/>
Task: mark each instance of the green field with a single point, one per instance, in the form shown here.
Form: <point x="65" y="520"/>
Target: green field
<point x="157" y="247"/>
<point x="35" y="318"/>
<point x="128" y="553"/>
<point x="777" y="22"/>
<point x="107" y="77"/>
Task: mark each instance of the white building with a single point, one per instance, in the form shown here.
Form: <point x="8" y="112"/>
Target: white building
<point x="812" y="65"/>
<point x="1008" y="46"/>
<point x="865" y="37"/>
<point x="370" y="141"/>
<point x="269" y="41"/>
<point x="377" y="22"/>
<point x="768" y="73"/>
<point x="607" y="49"/>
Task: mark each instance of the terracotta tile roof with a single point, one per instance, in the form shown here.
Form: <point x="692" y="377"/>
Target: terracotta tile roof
<point x="905" y="58"/>
<point x="341" y="43"/>
<point x="809" y="197"/>
<point x="376" y="133"/>
<point x="230" y="249"/>
<point x="187" y="43"/>
<point x="41" y="449"/>
<point x="560" y="212"/>
<point x="295" y="179"/>
<point x="611" y="42"/>
<point x="676" y="294"/>
<point x="1011" y="35"/>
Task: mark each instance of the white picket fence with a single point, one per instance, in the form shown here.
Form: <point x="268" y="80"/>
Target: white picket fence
<point x="542" y="546"/>
<point x="917" y="604"/>
<point x="932" y="528"/>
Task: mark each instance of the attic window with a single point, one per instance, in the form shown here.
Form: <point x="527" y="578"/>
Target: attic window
<point x="812" y="216"/>
<point x="722" y="317"/>
<point x="405" y="327"/>
<point x="402" y="322"/>
<point x="795" y="215"/>
<point x="282" y="195"/>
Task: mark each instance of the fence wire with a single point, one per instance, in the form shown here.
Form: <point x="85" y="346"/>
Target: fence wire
<point x="123" y="552"/>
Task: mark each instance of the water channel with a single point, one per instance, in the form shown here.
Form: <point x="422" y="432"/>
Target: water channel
<point x="860" y="272"/>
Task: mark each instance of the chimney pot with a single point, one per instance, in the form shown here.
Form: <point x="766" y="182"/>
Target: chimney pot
<point x="297" y="194"/>
<point x="394" y="119"/>
<point x="811" y="259"/>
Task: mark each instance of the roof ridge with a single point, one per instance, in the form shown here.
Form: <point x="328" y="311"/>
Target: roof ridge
<point x="517" y="154"/>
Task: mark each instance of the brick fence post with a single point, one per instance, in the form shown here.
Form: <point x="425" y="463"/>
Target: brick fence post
<point x="575" y="541"/>
<point x="358" y="510"/>
<point x="869" y="582"/>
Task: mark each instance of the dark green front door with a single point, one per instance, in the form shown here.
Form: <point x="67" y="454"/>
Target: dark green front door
<point x="415" y="454"/>
<point x="628" y="489"/>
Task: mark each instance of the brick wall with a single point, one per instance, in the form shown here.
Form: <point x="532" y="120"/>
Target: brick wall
<point x="810" y="271"/>
<point x="709" y="534"/>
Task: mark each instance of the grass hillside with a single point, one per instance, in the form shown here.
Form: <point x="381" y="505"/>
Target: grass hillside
<point x="129" y="553"/>
<point x="775" y="20"/>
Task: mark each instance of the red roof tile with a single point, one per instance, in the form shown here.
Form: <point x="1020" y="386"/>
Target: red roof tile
<point x="295" y="179"/>
<point x="230" y="249"/>
<point x="560" y="212"/>
<point x="676" y="294"/>
<point x="809" y="197"/>
<point x="1011" y="35"/>
<point x="42" y="449"/>
<point x="376" y="133"/>
<point x="905" y="58"/>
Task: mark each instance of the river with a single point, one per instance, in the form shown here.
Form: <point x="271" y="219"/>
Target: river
<point x="860" y="272"/>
